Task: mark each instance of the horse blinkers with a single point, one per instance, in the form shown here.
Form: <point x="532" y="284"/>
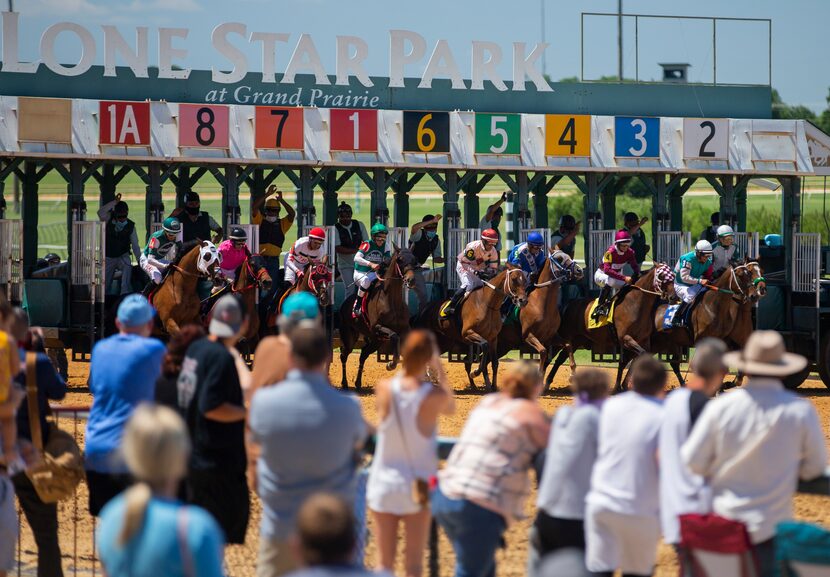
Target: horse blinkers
<point x="209" y="258"/>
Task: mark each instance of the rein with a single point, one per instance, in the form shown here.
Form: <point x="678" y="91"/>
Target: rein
<point x="507" y="289"/>
<point x="557" y="278"/>
<point x="185" y="272"/>
<point x="251" y="274"/>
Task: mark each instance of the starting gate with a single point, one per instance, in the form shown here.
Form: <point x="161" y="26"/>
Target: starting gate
<point x="806" y="263"/>
<point x="457" y="240"/>
<point x="671" y="245"/>
<point x="87" y="290"/>
<point x="11" y="259"/>
<point x="747" y="243"/>
<point x="600" y="240"/>
<point x="328" y="245"/>
<point x="399" y="235"/>
<point x="253" y="236"/>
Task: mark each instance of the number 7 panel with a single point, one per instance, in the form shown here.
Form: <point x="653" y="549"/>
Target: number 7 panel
<point x="567" y="135"/>
<point x="278" y="128"/>
<point x="353" y="130"/>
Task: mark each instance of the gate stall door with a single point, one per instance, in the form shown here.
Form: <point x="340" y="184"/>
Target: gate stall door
<point x="11" y="259"/>
<point x="747" y="245"/>
<point x="457" y="240"/>
<point x="806" y="263"/>
<point x="88" y="257"/>
<point x="329" y="251"/>
<point x="671" y="245"/>
<point x="599" y="241"/>
<point x="253" y="236"/>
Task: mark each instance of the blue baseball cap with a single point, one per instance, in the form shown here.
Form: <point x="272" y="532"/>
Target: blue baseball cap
<point x="135" y="310"/>
<point x="299" y="306"/>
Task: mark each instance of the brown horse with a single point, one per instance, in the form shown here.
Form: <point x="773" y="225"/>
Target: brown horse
<point x="251" y="276"/>
<point x="314" y="279"/>
<point x="539" y="318"/>
<point x="176" y="299"/>
<point x="631" y="330"/>
<point x="477" y="322"/>
<point x="387" y="315"/>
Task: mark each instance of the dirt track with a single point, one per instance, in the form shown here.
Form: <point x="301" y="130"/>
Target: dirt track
<point x="240" y="559"/>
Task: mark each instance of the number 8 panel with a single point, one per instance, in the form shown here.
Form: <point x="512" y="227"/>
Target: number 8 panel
<point x="203" y="126"/>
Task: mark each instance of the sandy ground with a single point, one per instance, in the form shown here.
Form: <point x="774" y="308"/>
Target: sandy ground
<point x="76" y="527"/>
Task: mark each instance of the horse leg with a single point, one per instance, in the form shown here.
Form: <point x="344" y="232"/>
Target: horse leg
<point x="370" y="347"/>
<point x="494" y="366"/>
<point x="171" y="326"/>
<point x="394" y="341"/>
<point x="675" y="367"/>
<point x="482" y="367"/>
<point x="628" y="342"/>
<point x="345" y="351"/>
<point x="468" y="366"/>
<point x="541" y="349"/>
<point x="476" y="339"/>
<point x="624" y="359"/>
<point x="558" y="362"/>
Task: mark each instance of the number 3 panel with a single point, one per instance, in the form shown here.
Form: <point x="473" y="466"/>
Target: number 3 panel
<point x="636" y="137"/>
<point x="203" y="126"/>
<point x="705" y="138"/>
<point x="353" y="130"/>
<point x="278" y="128"/>
<point x="426" y="132"/>
<point x="567" y="135"/>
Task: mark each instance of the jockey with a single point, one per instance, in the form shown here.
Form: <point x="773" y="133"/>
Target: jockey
<point x="478" y="259"/>
<point x="692" y="272"/>
<point x="723" y="251"/>
<point x="367" y="261"/>
<point x="162" y="249"/>
<point x="305" y="250"/>
<point x="234" y="251"/>
<point x="529" y="256"/>
<point x="609" y="275"/>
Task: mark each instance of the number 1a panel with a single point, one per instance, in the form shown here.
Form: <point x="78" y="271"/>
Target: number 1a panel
<point x="426" y="132"/>
<point x="278" y="128"/>
<point x="636" y="137"/>
<point x="706" y="138"/>
<point x="203" y="126"/>
<point x="567" y="135"/>
<point x="124" y="123"/>
<point x="353" y="130"/>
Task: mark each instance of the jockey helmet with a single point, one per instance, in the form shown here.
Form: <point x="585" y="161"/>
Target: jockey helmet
<point x="317" y="233"/>
<point x="622" y="236"/>
<point x="172" y="225"/>
<point x="238" y="233"/>
<point x="52" y="257"/>
<point x="379" y="228"/>
<point x="703" y="247"/>
<point x="535" y="239"/>
<point x="567" y="221"/>
<point x="725" y="230"/>
<point x="490" y="234"/>
<point x="272" y="203"/>
<point x="121" y="209"/>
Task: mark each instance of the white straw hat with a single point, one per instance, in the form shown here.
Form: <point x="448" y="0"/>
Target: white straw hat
<point x="764" y="355"/>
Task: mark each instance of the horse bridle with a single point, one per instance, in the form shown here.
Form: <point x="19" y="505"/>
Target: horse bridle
<point x="734" y="278"/>
<point x="324" y="285"/>
<point x="399" y="270"/>
<point x="508" y="290"/>
<point x="258" y="282"/>
<point x="564" y="272"/>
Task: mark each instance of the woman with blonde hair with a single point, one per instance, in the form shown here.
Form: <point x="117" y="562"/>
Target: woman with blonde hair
<point x="406" y="457"/>
<point x="145" y="531"/>
<point x="485" y="484"/>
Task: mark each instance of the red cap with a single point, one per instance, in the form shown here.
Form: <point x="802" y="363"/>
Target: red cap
<point x="490" y="234"/>
<point x="317" y="233"/>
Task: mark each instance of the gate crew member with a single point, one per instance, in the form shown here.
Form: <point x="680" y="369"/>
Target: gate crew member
<point x="692" y="272"/>
<point x="634" y="226"/>
<point x="162" y="249"/>
<point x="306" y="250"/>
<point x="478" y="259"/>
<point x="120" y="238"/>
<point x="609" y="275"/>
<point x="529" y="256"/>
<point x="368" y="260"/>
<point x="350" y="235"/>
<point x="234" y="251"/>
<point x="272" y="231"/>
<point x="196" y="223"/>
<point x="424" y="243"/>
<point x="723" y="251"/>
<point x="565" y="238"/>
<point x="492" y="219"/>
<point x="710" y="233"/>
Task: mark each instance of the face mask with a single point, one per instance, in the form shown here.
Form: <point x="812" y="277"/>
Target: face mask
<point x="271" y="218"/>
<point x="193" y="210"/>
<point x="119" y="226"/>
<point x="431" y="234"/>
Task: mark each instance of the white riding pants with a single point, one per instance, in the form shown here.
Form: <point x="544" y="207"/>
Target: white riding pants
<point x="687" y="293"/>
<point x="152" y="270"/>
<point x="290" y="274"/>
<point x="364" y="279"/>
<point x="603" y="279"/>
<point x="469" y="280"/>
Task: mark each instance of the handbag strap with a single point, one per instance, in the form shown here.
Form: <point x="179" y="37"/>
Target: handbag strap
<point x="396" y="385"/>
<point x="181" y="536"/>
<point x="32" y="401"/>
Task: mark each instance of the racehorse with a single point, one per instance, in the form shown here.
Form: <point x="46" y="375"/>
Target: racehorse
<point x="386" y="316"/>
<point x="539" y="318"/>
<point x="477" y="322"/>
<point x="176" y="299"/>
<point x="724" y="311"/>
<point x="631" y="329"/>
<point x="314" y="279"/>
<point x="250" y="276"/>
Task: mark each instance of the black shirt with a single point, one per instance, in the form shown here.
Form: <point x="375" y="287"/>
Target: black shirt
<point x="208" y="379"/>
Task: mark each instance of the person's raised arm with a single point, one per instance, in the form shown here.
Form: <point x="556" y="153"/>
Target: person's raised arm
<point x="419" y="225"/>
<point x="290" y="213"/>
<point x="491" y="210"/>
<point x="107" y="208"/>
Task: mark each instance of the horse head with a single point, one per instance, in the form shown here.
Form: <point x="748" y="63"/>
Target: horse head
<point x="749" y="279"/>
<point x="663" y="281"/>
<point x="402" y="264"/>
<point x="209" y="259"/>
<point x="562" y="264"/>
<point x="515" y="285"/>
<point x="255" y="267"/>
<point x="319" y="279"/>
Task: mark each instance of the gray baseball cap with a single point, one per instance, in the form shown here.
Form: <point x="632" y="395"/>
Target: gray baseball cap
<point x="226" y="318"/>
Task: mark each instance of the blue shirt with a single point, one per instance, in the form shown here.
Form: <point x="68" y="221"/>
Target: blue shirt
<point x="520" y="256"/>
<point x="50" y="386"/>
<point x="122" y="374"/>
<point x="308" y="432"/>
<point x="155" y="550"/>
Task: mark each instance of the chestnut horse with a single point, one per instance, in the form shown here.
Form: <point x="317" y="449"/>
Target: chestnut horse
<point x="176" y="299"/>
<point x="387" y="315"/>
<point x="631" y="330"/>
<point x="251" y="276"/>
<point x="314" y="279"/>
<point x="539" y="318"/>
<point x="477" y="322"/>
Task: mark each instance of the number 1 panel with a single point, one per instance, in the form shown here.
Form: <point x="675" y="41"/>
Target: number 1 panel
<point x="278" y="128"/>
<point x="636" y="137"/>
<point x="498" y="134"/>
<point x="426" y="132"/>
<point x="353" y="130"/>
<point x="203" y="126"/>
<point x="567" y="135"/>
<point x="706" y="138"/>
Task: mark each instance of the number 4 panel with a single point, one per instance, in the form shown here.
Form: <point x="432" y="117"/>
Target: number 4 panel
<point x="426" y="132"/>
<point x="706" y="138"/>
<point x="278" y="128"/>
<point x="567" y="135"/>
<point x="353" y="130"/>
<point x="203" y="126"/>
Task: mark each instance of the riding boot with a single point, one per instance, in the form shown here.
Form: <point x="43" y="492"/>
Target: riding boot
<point x="678" y="320"/>
<point x="358" y="302"/>
<point x="454" y="301"/>
<point x="601" y="309"/>
<point x="148" y="288"/>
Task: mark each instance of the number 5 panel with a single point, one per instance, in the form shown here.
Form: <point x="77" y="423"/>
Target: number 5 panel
<point x="636" y="137"/>
<point x="498" y="134"/>
<point x="203" y="126"/>
<point x="353" y="130"/>
<point x="278" y="128"/>
<point x="705" y="138"/>
<point x="426" y="132"/>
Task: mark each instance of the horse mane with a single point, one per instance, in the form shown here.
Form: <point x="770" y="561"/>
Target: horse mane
<point x="186" y="248"/>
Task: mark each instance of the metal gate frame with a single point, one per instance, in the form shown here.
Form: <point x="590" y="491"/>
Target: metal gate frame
<point x="88" y="269"/>
<point x="11" y="258"/>
<point x="806" y="274"/>
<point x="600" y="240"/>
<point x="253" y="236"/>
<point x="747" y="243"/>
<point x="457" y="239"/>
<point x="670" y="245"/>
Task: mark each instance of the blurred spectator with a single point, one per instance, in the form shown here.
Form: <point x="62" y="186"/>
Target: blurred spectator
<point x="485" y="482"/>
<point x="9" y="368"/>
<point x="570" y="456"/>
<point x="680" y="490"/>
<point x="145" y="531"/>
<point x="309" y="434"/>
<point x="406" y="456"/>
<point x="167" y="393"/>
<point x="753" y="445"/>
<point x="350" y="235"/>
<point x="122" y="374"/>
<point x="210" y="396"/>
<point x="325" y="541"/>
<point x="42" y="517"/>
<point x="622" y="524"/>
<point x="567" y="562"/>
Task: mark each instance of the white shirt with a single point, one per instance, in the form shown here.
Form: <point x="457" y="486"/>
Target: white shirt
<point x="625" y="478"/>
<point x="570" y="457"/>
<point x="302" y="254"/>
<point x="681" y="491"/>
<point x="752" y="445"/>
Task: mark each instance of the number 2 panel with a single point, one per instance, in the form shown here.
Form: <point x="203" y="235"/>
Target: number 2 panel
<point x="278" y="128"/>
<point x="567" y="135"/>
<point x="636" y="137"/>
<point x="203" y="126"/>
<point x="425" y="132"/>
<point x="706" y="138"/>
<point x="498" y="134"/>
<point x="353" y="130"/>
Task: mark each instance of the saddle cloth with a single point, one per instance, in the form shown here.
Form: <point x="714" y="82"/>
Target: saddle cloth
<point x="601" y="321"/>
<point x="668" y="316"/>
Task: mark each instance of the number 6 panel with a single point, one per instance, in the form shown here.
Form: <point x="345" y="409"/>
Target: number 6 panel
<point x="636" y="137"/>
<point x="426" y="132"/>
<point x="203" y="126"/>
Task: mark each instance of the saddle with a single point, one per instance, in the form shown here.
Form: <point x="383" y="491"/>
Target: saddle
<point x="364" y="303"/>
<point x="680" y="315"/>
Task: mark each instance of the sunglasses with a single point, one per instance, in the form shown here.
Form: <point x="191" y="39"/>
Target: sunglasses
<point x="272" y="211"/>
<point x="121" y="218"/>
